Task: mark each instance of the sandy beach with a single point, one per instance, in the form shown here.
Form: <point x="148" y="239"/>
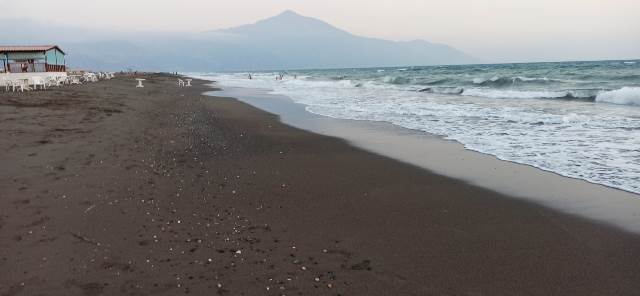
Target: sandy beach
<point x="106" y="189"/>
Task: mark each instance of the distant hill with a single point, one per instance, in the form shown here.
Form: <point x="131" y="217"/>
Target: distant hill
<point x="286" y="41"/>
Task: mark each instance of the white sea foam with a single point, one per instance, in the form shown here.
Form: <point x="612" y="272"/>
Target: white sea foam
<point x="597" y="142"/>
<point x="512" y="94"/>
<point x="478" y="80"/>
<point x="523" y="78"/>
<point x="623" y="96"/>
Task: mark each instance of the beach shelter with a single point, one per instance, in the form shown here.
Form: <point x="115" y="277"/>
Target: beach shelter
<point x="31" y="59"/>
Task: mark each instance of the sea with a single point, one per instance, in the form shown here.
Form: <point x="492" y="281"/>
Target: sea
<point x="576" y="119"/>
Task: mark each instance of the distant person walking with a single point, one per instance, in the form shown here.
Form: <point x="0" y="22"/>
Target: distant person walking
<point x="250" y="76"/>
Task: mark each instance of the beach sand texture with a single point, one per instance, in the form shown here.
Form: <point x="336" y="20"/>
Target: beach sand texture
<point x="106" y="189"/>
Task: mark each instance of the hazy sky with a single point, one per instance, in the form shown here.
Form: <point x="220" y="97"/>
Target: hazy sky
<point x="494" y="30"/>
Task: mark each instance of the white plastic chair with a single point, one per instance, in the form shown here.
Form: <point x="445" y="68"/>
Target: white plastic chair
<point x="24" y="84"/>
<point x="6" y="83"/>
<point x="181" y="83"/>
<point x="19" y="84"/>
<point x="16" y="84"/>
<point x="38" y="81"/>
<point x="56" y="81"/>
<point x="49" y="81"/>
<point x="89" y="77"/>
<point x="74" y="79"/>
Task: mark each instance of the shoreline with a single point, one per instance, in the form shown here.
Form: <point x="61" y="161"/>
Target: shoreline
<point x="449" y="158"/>
<point x="114" y="190"/>
<point x="574" y="138"/>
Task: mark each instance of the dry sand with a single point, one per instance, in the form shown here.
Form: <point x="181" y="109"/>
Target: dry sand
<point x="106" y="189"/>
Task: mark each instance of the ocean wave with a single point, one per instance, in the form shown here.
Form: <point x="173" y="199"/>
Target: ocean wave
<point x="576" y="94"/>
<point x="510" y="81"/>
<point x="443" y="90"/>
<point x="623" y="96"/>
<point x="496" y="81"/>
<point x="441" y="81"/>
<point x="630" y="77"/>
<point x="338" y="78"/>
<point x="396" y="80"/>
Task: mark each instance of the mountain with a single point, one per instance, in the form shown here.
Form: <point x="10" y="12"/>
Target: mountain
<point x="286" y="41"/>
<point x="294" y="41"/>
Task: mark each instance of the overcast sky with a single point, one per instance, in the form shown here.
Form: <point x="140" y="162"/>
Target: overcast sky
<point x="493" y="30"/>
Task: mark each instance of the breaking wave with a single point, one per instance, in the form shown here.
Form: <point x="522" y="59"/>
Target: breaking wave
<point x="397" y="80"/>
<point x="623" y="96"/>
<point x="512" y="81"/>
<point x="576" y="94"/>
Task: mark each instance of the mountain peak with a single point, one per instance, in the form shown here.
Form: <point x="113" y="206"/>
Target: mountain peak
<point x="288" y="13"/>
<point x="289" y="23"/>
<point x="290" y="16"/>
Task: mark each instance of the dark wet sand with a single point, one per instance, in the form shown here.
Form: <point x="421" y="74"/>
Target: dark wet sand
<point x="110" y="190"/>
